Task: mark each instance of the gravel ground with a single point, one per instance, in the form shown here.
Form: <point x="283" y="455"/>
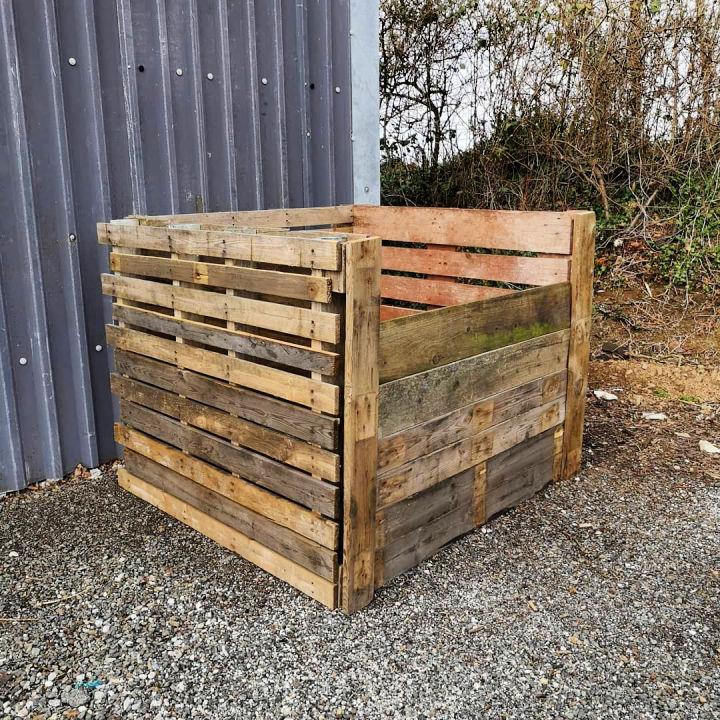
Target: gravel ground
<point x="596" y="599"/>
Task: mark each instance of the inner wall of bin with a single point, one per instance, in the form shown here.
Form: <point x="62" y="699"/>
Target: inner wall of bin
<point x="434" y="258"/>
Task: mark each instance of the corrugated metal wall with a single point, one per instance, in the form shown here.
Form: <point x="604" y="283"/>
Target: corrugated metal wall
<point x="150" y="106"/>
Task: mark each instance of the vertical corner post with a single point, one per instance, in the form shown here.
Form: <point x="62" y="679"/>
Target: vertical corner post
<point x="581" y="280"/>
<point x="360" y="422"/>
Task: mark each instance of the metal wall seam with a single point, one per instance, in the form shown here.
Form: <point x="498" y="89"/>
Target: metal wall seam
<point x="37" y="419"/>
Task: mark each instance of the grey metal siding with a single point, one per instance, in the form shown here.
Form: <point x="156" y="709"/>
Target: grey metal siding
<point x="128" y="106"/>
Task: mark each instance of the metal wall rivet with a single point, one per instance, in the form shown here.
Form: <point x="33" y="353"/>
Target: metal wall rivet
<point x="337" y="89"/>
<point x="178" y="72"/>
<point x="72" y="61"/>
<point x="264" y="81"/>
<point x="210" y="76"/>
<point x="23" y="361"/>
<point x="71" y="237"/>
<point x="367" y="189"/>
<point x="308" y="133"/>
<point x="98" y="348"/>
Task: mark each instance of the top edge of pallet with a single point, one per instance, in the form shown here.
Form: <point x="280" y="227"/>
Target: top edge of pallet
<point x="281" y="217"/>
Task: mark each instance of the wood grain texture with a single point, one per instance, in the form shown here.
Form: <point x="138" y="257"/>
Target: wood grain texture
<point x="281" y="249"/>
<point x="411" y="443"/>
<point x="424" y="472"/>
<point x="291" y="451"/>
<point x="270" y="282"/>
<point x="286" y="319"/>
<point x="417" y="398"/>
<point x="547" y="232"/>
<point x="320" y="396"/>
<point x="519" y="472"/>
<point x="306" y="553"/>
<point x="451" y="262"/>
<point x="311" y="492"/>
<point x="414" y="344"/>
<point x="396" y="521"/>
<point x="285" y="217"/>
<point x="300" y="578"/>
<point x="438" y="291"/>
<point x="281" y="511"/>
<point x="362" y="303"/>
<point x="390" y="312"/>
<point x="284" y="417"/>
<point x="423" y="542"/>
<point x="583" y="254"/>
<point x="249" y="344"/>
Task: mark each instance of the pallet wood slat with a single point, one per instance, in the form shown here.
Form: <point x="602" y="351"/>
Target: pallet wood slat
<point x="285" y="449"/>
<point x="336" y="393"/>
<point x="281" y="249"/>
<point x="421" y="342"/>
<point x="583" y="250"/>
<point x="315" y="494"/>
<point x="401" y="518"/>
<point x="307" y="582"/>
<point x="286" y="218"/>
<point x="417" y="398"/>
<point x="545" y="232"/>
<point x="287" y="418"/>
<point x="320" y="396"/>
<point x="362" y="297"/>
<point x="271" y="282"/>
<point x="249" y="344"/>
<point x="304" y="552"/>
<point x="258" y="313"/>
<point x="411" y="443"/>
<point x="390" y="312"/>
<point x="436" y="291"/>
<point x="427" y="470"/>
<point x="519" y="472"/>
<point x="514" y="269"/>
<point x="275" y="507"/>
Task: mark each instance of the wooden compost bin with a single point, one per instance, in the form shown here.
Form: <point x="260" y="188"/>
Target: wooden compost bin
<point x="333" y="424"/>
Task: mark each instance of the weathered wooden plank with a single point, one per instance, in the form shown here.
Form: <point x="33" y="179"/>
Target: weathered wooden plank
<point x="403" y="517"/>
<point x="284" y="217"/>
<point x="311" y="492"/>
<point x="257" y="313"/>
<point x="276" y="414"/>
<point x="413" y="344"/>
<point x="547" y="232"/>
<point x="437" y="291"/>
<point x="281" y="511"/>
<point x="279" y="383"/>
<point x="283" y="448"/>
<point x="519" y="473"/>
<point x="418" y="475"/>
<point x="259" y="346"/>
<point x="304" y="552"/>
<point x="362" y="306"/>
<point x="270" y="282"/>
<point x="390" y="312"/>
<point x="423" y="542"/>
<point x="411" y="443"/>
<point x="282" y="249"/>
<point x="417" y="398"/>
<point x="581" y="279"/>
<point x="498" y="268"/>
<point x="300" y="578"/>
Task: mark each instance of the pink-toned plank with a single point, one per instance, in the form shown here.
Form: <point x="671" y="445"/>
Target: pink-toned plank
<point x="389" y="312"/>
<point x="440" y="291"/>
<point x="499" y="268"/>
<point x="548" y="232"/>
